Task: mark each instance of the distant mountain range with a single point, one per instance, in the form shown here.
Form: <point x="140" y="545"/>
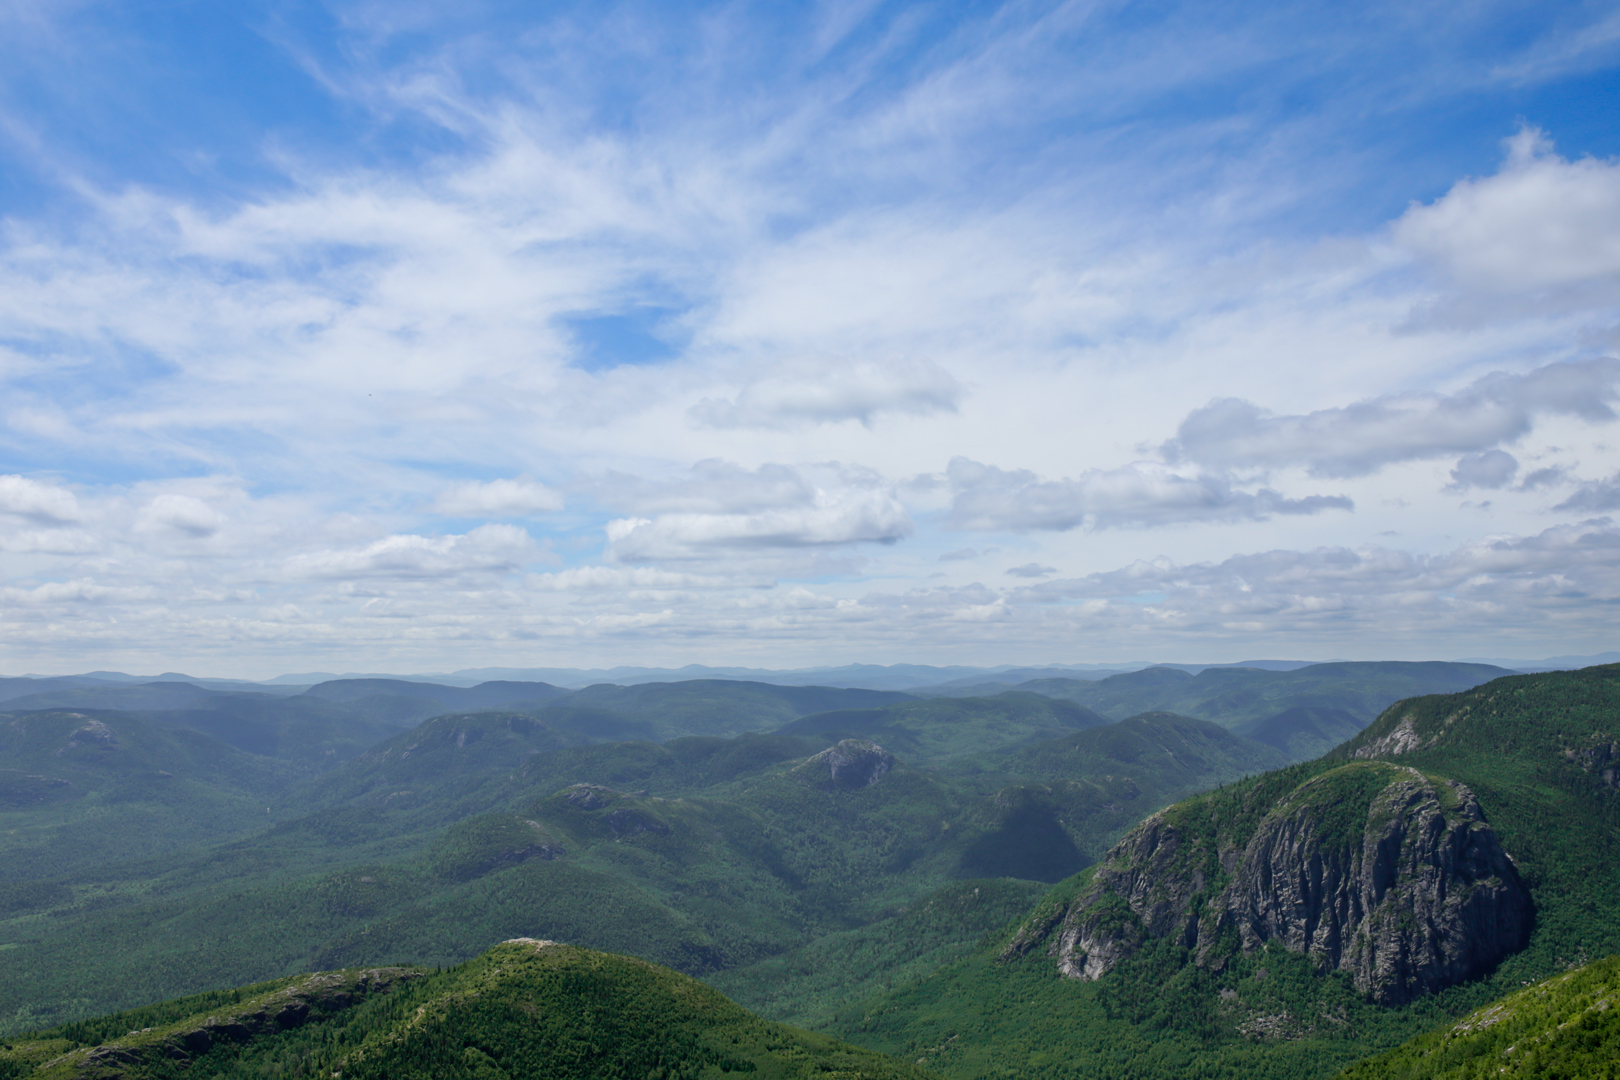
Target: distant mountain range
<point x="861" y="676"/>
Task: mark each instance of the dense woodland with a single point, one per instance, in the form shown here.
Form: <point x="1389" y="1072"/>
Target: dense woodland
<point x="208" y="839"/>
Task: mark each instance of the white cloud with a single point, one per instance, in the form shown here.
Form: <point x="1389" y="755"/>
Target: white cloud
<point x="719" y="507"/>
<point x="1596" y="496"/>
<point x="488" y="549"/>
<point x="1355" y="440"/>
<point x="81" y="591"/>
<point x="1562" y="580"/>
<point x="850" y="516"/>
<point x="43" y="504"/>
<point x="615" y="578"/>
<point x="47" y="541"/>
<point x="1138" y="495"/>
<point x="964" y="554"/>
<point x="712" y="486"/>
<point x="1487" y="469"/>
<point x="520" y="497"/>
<point x="184" y="514"/>
<point x="1540" y="223"/>
<point x="858" y="392"/>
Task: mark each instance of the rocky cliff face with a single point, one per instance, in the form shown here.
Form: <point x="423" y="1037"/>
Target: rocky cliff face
<point x="1601" y="757"/>
<point x="851" y="765"/>
<point x="1372" y="868"/>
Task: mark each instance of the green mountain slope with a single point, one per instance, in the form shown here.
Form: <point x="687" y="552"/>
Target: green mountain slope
<point x="928" y="732"/>
<point x="1224" y="937"/>
<point x="1304" y="732"/>
<point x="1061" y="802"/>
<point x="722" y="707"/>
<point x="444" y="760"/>
<point x="79" y="790"/>
<point x="525" y="1008"/>
<point x="702" y="853"/>
<point x="1243" y="698"/>
<point x="809" y="985"/>
<point x="1567" y="1026"/>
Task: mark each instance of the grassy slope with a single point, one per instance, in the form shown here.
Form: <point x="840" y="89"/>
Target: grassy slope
<point x="523" y="1009"/>
<point x="1158" y="1015"/>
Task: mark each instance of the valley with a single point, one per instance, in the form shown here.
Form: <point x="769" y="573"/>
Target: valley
<point x="1019" y="882"/>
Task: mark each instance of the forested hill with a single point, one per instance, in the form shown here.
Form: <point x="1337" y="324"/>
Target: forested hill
<point x="708" y="854"/>
<point x="1286" y="925"/>
<point x="525" y="1008"/>
<point x="876" y="869"/>
<point x="1565" y="1027"/>
<point x="1241" y="697"/>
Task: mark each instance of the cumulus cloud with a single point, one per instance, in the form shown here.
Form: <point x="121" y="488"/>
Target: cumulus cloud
<point x="1487" y="469"/>
<point x="43" y="504"/>
<point x="1540" y="223"/>
<point x="1138" y="495"/>
<point x="614" y="578"/>
<point x="963" y="554"/>
<point x="718" y="506"/>
<point x="715" y="486"/>
<point x="184" y="514"/>
<point x="1359" y="439"/>
<point x="79" y="591"/>
<point x="853" y="515"/>
<point x="488" y="549"/>
<point x="1568" y="574"/>
<point x="496" y="498"/>
<point x="1596" y="496"/>
<point x="1032" y="570"/>
<point x="1550" y="476"/>
<point x="858" y="392"/>
<point x="47" y="541"/>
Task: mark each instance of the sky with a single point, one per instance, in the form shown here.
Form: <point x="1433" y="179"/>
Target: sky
<point x="417" y="336"/>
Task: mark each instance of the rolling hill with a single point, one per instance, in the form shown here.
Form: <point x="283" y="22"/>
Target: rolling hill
<point x="707" y="854"/>
<point x="525" y="1008"/>
<point x="1246" y="699"/>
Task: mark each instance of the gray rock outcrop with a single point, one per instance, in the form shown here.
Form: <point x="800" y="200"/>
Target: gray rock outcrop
<point x="1372" y="869"/>
<point x="1601" y="757"/>
<point x="851" y="765"/>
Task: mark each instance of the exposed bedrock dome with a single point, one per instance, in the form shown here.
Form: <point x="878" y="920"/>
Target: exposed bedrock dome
<point x="1373" y="869"/>
<point x="852" y="764"/>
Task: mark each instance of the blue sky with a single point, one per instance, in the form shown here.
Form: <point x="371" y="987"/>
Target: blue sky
<point x="420" y="336"/>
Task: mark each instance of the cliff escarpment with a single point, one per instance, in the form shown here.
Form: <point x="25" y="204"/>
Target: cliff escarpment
<point x="1374" y="869"/>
